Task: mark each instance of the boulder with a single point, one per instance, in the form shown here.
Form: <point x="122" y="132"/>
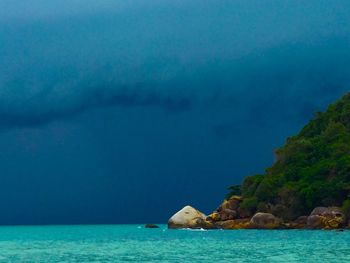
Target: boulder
<point x="222" y="215"/>
<point x="227" y="210"/>
<point x="319" y="211"/>
<point x="234" y="224"/>
<point x="151" y="226"/>
<point x="189" y="217"/>
<point x="265" y="221"/>
<point x="326" y="218"/>
<point x="299" y="223"/>
<point x="232" y="203"/>
<point x="228" y="214"/>
<point x="315" y="222"/>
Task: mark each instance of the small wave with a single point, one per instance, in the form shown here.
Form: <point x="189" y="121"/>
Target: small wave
<point x="194" y="229"/>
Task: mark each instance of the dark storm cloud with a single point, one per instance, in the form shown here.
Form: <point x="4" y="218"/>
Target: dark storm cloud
<point x="31" y="116"/>
<point x="287" y="80"/>
<point x="56" y="65"/>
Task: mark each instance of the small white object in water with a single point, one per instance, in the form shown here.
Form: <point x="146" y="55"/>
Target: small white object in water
<point x="194" y="229"/>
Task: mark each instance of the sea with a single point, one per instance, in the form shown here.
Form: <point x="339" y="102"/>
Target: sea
<point x="134" y="243"/>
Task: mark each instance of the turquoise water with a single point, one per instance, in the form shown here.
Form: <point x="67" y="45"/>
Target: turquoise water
<point x="133" y="243"/>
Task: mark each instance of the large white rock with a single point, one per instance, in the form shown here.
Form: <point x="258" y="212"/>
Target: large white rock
<point x="187" y="217"/>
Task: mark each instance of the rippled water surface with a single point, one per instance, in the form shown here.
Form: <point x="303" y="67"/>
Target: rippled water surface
<point x="133" y="243"/>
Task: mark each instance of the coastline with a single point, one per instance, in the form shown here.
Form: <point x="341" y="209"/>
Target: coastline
<point x="229" y="216"/>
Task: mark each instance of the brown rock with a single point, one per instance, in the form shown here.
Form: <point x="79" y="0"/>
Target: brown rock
<point x="265" y="221"/>
<point x="301" y="220"/>
<point x="234" y="224"/>
<point x="326" y="218"/>
<point x="299" y="223"/>
<point x="229" y="204"/>
<point x="315" y="222"/>
<point x="227" y="214"/>
<point x="227" y="210"/>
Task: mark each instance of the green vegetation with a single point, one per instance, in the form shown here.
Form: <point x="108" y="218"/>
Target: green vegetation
<point x="311" y="169"/>
<point x="234" y="190"/>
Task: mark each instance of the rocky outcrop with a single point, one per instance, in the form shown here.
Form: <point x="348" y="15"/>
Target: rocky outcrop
<point x="229" y="215"/>
<point x="265" y="221"/>
<point x="299" y="223"/>
<point x="228" y="210"/>
<point x="326" y="218"/>
<point x="232" y="203"/>
<point x="189" y="217"/>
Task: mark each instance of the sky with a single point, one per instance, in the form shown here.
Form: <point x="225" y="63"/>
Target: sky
<point x="126" y="111"/>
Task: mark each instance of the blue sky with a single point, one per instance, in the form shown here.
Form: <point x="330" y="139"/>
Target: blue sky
<point x="125" y="111"/>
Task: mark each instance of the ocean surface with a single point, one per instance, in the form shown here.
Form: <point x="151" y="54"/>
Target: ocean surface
<point x="134" y="243"/>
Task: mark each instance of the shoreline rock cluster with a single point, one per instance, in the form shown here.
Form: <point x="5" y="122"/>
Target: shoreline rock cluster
<point x="229" y="215"/>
